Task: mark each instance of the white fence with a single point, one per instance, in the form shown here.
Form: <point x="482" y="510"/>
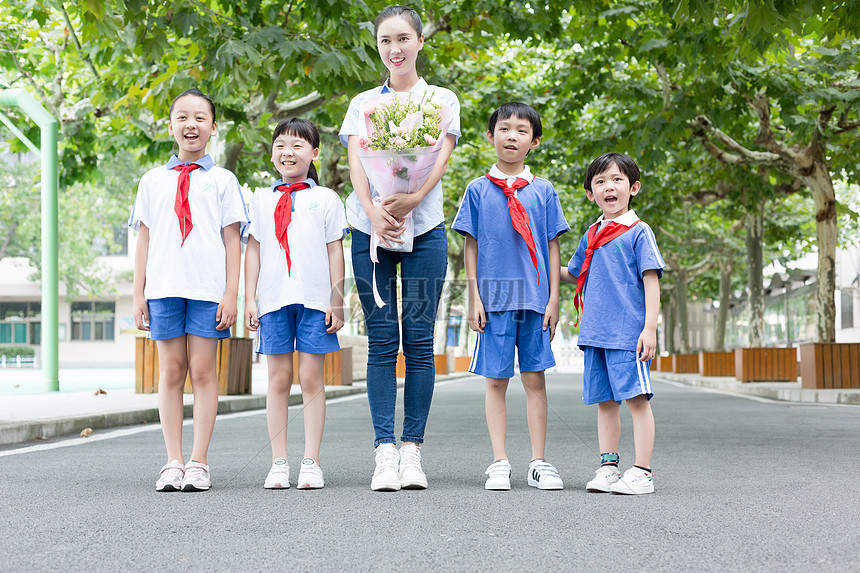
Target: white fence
<point x="18" y="362"/>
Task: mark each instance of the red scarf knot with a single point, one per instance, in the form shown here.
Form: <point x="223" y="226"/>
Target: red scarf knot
<point x="284" y="215"/>
<point x="596" y="239"/>
<point x="182" y="207"/>
<point x="519" y="216"/>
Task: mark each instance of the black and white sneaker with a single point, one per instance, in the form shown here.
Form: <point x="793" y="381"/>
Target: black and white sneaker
<point x="499" y="476"/>
<point x="543" y="475"/>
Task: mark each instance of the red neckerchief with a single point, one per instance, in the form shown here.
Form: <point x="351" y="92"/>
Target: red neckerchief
<point x="519" y="216"/>
<point x="182" y="207"/>
<point x="284" y="214"/>
<point x="596" y="239"/>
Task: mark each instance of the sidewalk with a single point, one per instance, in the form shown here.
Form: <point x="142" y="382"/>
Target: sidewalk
<point x="784" y="391"/>
<point x="28" y="413"/>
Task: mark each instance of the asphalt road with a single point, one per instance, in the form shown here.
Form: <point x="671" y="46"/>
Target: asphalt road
<point x="741" y="485"/>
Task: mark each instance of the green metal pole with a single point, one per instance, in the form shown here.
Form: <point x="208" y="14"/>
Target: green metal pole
<point x="50" y="260"/>
<point x="50" y="274"/>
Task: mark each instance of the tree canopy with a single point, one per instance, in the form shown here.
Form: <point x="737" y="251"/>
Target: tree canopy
<point x="724" y="104"/>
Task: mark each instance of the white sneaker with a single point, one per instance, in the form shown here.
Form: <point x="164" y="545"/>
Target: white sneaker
<point x="543" y="475"/>
<point x="385" y="476"/>
<point x="499" y="476"/>
<point x="635" y="481"/>
<point x="310" y="475"/>
<point x="279" y="475"/>
<point x="410" y="472"/>
<point x="170" y="478"/>
<point x="196" y="477"/>
<point x="604" y="477"/>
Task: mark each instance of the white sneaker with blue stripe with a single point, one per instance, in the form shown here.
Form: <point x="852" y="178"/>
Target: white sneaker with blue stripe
<point x="635" y="481"/>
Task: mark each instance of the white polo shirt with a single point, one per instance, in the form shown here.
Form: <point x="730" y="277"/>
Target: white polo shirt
<point x="318" y="219"/>
<point x="429" y="213"/>
<point x="195" y="270"/>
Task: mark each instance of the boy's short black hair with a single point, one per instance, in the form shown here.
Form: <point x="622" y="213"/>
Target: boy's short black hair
<point x="193" y="92"/>
<point x="624" y="162"/>
<point x="518" y="109"/>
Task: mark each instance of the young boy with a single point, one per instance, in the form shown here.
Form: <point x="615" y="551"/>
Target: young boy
<point x="619" y="263"/>
<point x="511" y="221"/>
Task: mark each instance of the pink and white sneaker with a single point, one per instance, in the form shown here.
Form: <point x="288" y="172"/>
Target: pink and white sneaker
<point x="196" y="477"/>
<point x="170" y="478"/>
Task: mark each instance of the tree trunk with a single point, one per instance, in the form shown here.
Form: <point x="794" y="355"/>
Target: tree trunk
<point x="669" y="325"/>
<point x="821" y="184"/>
<point x="755" y="281"/>
<point x="232" y="151"/>
<point x="681" y="308"/>
<point x="726" y="267"/>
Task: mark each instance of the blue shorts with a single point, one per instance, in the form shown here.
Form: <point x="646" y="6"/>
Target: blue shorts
<point x="174" y="316"/>
<point x="614" y="375"/>
<point x="504" y="331"/>
<point x="295" y="327"/>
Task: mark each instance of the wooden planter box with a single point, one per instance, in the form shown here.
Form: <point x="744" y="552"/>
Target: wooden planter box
<point x="830" y="365"/>
<point x="337" y="368"/>
<point x="232" y="366"/>
<point x="654" y="363"/>
<point x="440" y="360"/>
<point x="685" y="363"/>
<point x="664" y="363"/>
<point x="442" y="366"/>
<point x="717" y="363"/>
<point x="766" y="364"/>
<point x="461" y="363"/>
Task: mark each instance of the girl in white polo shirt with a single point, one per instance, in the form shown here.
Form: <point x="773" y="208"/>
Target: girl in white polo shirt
<point x="294" y="262"/>
<point x="186" y="279"/>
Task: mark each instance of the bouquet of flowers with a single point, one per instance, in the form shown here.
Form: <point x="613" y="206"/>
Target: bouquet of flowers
<point x="399" y="141"/>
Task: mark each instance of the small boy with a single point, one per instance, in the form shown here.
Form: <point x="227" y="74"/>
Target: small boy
<point x="618" y="260"/>
<point x="511" y="221"/>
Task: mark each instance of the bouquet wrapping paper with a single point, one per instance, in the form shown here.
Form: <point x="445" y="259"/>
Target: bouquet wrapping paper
<point x="390" y="165"/>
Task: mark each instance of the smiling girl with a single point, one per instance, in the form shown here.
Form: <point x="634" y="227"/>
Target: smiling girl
<point x="294" y="263"/>
<point x="399" y="40"/>
<point x="186" y="279"/>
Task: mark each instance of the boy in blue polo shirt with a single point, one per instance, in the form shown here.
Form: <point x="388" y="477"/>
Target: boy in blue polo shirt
<point x="616" y="269"/>
<point x="511" y="221"/>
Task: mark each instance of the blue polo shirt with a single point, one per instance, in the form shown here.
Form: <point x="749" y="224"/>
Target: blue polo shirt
<point x="506" y="275"/>
<point x="613" y="306"/>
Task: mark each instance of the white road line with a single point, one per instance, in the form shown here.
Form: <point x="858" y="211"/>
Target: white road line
<point x="153" y="427"/>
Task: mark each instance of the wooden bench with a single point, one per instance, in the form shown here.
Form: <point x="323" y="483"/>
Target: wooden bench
<point x="232" y="366"/>
<point x="766" y="364"/>
<point x="717" y="363"/>
<point x="830" y="365"/>
<point x="685" y="363"/>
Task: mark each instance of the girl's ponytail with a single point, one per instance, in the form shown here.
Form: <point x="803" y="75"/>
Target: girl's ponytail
<point x="300" y="128"/>
<point x="312" y="173"/>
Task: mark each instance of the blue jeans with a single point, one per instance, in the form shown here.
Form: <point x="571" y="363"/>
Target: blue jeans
<point x="422" y="274"/>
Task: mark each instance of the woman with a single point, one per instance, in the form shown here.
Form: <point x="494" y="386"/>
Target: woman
<point x="399" y="39"/>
